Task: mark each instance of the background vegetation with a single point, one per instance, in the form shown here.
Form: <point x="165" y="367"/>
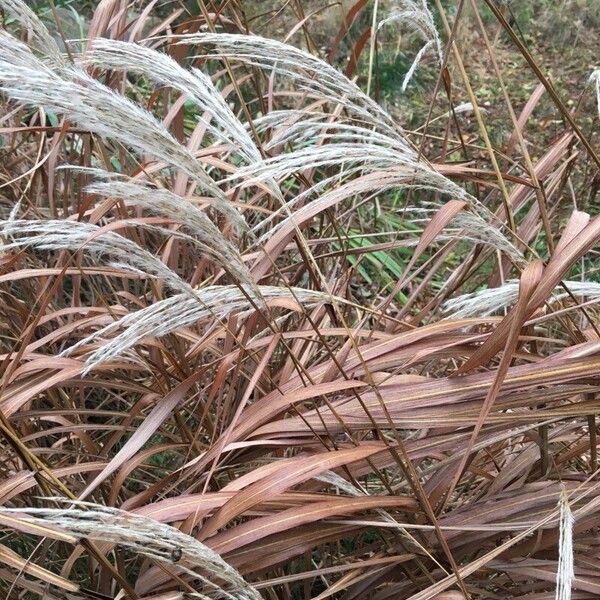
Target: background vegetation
<point x="299" y="299"/>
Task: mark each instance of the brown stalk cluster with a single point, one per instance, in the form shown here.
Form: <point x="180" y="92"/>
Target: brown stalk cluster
<point x="259" y="340"/>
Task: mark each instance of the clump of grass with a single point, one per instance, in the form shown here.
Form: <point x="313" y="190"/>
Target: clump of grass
<point x="279" y="344"/>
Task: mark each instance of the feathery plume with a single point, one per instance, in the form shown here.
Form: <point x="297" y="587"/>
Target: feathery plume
<point x="161" y="68"/>
<point x="41" y="37"/>
<point x="417" y="176"/>
<point x="565" y="572"/>
<point x="147" y="537"/>
<point x="77" y="236"/>
<point x="310" y="73"/>
<point x="492" y="300"/>
<point x="93" y="106"/>
<point x="417" y="17"/>
<point x="472" y="226"/>
<point x="202" y="230"/>
<point x="595" y="81"/>
<point x="166" y="316"/>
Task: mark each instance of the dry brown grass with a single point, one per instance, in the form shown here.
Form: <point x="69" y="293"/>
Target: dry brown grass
<point x="208" y="391"/>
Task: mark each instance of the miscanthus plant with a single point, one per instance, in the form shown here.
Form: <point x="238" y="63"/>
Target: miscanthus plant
<point x="258" y="340"/>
